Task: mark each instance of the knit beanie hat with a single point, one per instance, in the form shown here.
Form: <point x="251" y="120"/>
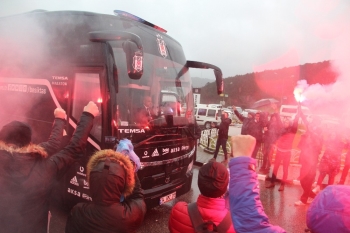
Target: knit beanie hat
<point x="213" y="179"/>
<point x="17" y="133"/>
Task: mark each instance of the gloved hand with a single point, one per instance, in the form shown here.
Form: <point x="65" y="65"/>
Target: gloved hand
<point x="125" y="147"/>
<point x="60" y="113"/>
<point x="92" y="108"/>
<point x="243" y="145"/>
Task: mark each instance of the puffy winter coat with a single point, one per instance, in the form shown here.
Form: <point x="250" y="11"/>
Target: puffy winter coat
<point x="330" y="210"/>
<point x="214" y="209"/>
<point x="27" y="175"/>
<point x="247" y="212"/>
<point x="117" y="198"/>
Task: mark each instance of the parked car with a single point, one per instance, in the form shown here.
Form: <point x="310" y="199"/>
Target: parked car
<point x="289" y="111"/>
<point x="215" y="105"/>
<point x="205" y="115"/>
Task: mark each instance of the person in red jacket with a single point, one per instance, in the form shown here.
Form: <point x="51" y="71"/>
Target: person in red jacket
<point x="213" y="181"/>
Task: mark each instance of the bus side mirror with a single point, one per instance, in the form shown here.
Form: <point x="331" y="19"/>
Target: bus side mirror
<point x="134" y="59"/>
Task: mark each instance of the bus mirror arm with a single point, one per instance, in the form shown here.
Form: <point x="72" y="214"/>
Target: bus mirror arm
<point x="132" y="46"/>
<point x="219" y="81"/>
<point x="105" y="36"/>
<point x="217" y="73"/>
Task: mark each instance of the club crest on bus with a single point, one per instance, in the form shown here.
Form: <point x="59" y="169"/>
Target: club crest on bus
<point x="137" y="62"/>
<point x="161" y="46"/>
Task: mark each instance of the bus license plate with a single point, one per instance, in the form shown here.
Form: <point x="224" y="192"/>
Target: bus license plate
<point x="167" y="198"/>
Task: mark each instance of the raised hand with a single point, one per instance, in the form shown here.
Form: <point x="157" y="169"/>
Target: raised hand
<point x="60" y="113"/>
<point x="92" y="108"/>
<point x="243" y="145"/>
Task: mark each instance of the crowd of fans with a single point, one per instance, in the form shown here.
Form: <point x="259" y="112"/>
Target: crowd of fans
<point x="229" y="197"/>
<point x="278" y="137"/>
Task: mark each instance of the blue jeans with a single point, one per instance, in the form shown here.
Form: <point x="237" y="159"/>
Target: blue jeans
<point x="220" y="142"/>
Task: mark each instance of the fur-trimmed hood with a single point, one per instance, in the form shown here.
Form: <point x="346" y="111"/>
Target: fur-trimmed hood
<point x="32" y="149"/>
<point x="19" y="161"/>
<point x="110" y="175"/>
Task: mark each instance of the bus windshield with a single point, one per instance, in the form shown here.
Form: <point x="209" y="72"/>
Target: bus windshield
<point x="159" y="92"/>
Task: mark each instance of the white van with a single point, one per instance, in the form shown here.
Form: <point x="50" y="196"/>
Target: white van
<point x="206" y="115"/>
<point x="289" y="111"/>
<point x="215" y="105"/>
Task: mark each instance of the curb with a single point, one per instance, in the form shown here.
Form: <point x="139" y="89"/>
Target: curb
<point x="265" y="178"/>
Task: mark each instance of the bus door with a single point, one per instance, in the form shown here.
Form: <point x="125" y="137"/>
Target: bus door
<point x="88" y="85"/>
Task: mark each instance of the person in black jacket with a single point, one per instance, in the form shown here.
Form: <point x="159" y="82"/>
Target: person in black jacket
<point x="117" y="198"/>
<point x="272" y="130"/>
<point x="253" y="126"/>
<point x="145" y="113"/>
<point x="20" y="134"/>
<point x="272" y="133"/>
<point x="311" y="146"/>
<point x="223" y="136"/>
<point x="27" y="173"/>
<point x="246" y="121"/>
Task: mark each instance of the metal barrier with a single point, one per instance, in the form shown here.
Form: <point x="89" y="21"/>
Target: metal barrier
<point x="208" y="141"/>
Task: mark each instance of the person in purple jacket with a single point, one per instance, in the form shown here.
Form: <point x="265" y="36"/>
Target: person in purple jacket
<point x="330" y="210"/>
<point x="246" y="209"/>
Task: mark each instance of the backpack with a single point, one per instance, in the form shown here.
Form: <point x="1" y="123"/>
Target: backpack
<point x="207" y="227"/>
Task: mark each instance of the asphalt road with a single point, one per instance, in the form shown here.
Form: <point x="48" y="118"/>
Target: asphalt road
<point x="279" y="206"/>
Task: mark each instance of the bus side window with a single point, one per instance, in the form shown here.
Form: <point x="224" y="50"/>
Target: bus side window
<point x="87" y="88"/>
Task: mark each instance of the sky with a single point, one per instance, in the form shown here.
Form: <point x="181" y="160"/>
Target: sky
<point x="242" y="36"/>
<point x="238" y="36"/>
